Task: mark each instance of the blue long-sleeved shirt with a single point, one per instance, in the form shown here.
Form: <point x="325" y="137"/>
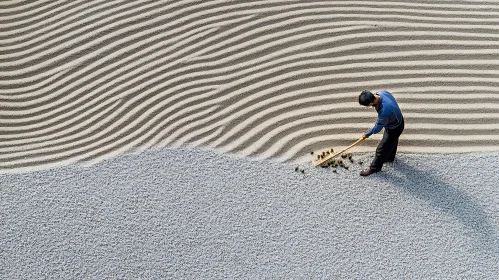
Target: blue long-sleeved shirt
<point x="389" y="114"/>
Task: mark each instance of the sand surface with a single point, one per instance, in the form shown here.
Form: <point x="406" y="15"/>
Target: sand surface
<point x="245" y="90"/>
<point x="197" y="214"/>
<point x="88" y="80"/>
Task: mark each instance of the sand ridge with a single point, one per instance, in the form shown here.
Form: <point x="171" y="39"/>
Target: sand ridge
<point x="84" y="81"/>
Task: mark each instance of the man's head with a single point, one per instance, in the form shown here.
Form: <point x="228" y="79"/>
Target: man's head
<point x="366" y="98"/>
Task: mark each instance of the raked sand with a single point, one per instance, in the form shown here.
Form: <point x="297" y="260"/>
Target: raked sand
<point x="182" y="213"/>
<point x="206" y="90"/>
<point x="88" y="80"/>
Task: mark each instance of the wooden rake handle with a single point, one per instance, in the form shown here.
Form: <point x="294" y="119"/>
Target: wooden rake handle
<point x="319" y="162"/>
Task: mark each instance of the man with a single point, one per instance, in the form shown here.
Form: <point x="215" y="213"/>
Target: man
<point x="389" y="117"/>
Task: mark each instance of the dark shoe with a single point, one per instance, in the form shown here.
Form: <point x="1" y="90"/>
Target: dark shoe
<point x="366" y="172"/>
<point x="390" y="160"/>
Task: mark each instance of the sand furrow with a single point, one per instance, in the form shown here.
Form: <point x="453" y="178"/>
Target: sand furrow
<point x="99" y="137"/>
<point x="299" y="145"/>
<point x="69" y="44"/>
<point x="34" y="106"/>
<point x="258" y="92"/>
<point x="83" y="81"/>
<point x="13" y="10"/>
<point x="281" y="113"/>
<point x="28" y="26"/>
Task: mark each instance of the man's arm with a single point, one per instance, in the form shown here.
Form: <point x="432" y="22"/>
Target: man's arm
<point x="380" y="123"/>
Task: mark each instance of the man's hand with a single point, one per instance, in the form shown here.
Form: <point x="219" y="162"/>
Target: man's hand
<point x="364" y="136"/>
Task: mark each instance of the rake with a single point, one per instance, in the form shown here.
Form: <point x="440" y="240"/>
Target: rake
<point x="329" y="157"/>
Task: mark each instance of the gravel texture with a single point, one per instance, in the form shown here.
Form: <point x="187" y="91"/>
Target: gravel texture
<point x="197" y="214"/>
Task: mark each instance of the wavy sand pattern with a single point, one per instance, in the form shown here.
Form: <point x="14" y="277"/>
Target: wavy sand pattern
<point x="85" y="80"/>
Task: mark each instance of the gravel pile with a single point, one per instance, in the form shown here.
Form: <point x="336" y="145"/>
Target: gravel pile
<point x="192" y="213"/>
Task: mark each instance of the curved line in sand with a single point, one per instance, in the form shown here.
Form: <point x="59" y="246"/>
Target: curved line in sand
<point x="262" y="79"/>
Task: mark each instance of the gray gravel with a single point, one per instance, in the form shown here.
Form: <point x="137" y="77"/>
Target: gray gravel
<point x="190" y="213"/>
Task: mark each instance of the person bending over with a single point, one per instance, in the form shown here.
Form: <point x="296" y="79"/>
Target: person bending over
<point x="389" y="117"/>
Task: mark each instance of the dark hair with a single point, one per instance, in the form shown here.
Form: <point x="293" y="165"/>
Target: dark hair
<point x="366" y="97"/>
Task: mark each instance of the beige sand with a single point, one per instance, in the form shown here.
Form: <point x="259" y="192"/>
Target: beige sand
<point x="273" y="79"/>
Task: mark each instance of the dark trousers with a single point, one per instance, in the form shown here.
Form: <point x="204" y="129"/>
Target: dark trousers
<point x="387" y="148"/>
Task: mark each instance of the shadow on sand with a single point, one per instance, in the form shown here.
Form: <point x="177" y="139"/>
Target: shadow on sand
<point x="439" y="194"/>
